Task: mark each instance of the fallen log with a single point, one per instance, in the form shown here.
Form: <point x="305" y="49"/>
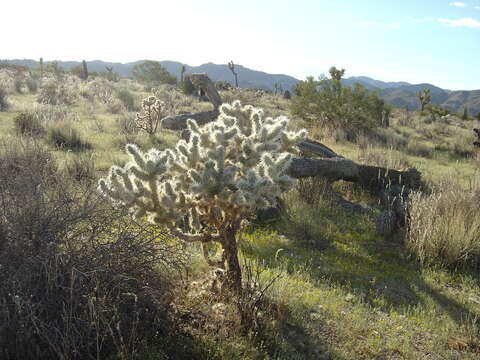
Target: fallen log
<point x="179" y="122"/>
<point x="370" y="177"/>
<point x="391" y="185"/>
<point x="313" y="147"/>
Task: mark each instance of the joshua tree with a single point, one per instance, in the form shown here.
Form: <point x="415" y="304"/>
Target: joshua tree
<point x="278" y="88"/>
<point x="203" y="189"/>
<point x="41" y="67"/>
<point x="465" y="113"/>
<point x="182" y="71"/>
<point x="424" y="97"/>
<point x="84" y="74"/>
<point x="336" y="74"/>
<point x="231" y="66"/>
<point x="111" y="75"/>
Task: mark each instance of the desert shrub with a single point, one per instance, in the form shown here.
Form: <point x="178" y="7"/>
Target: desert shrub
<point x="115" y="106"/>
<point x="32" y="85"/>
<point x="78" y="279"/>
<point x="18" y="83"/>
<point x="287" y="95"/>
<point x="153" y="72"/>
<point x="27" y="123"/>
<point x="55" y="93"/>
<point x="387" y="158"/>
<point x="187" y="86"/>
<point x="127" y="99"/>
<point x="81" y="168"/>
<point x="64" y="136"/>
<point x="49" y="114"/>
<point x="85" y="92"/>
<point x="417" y="148"/>
<point x="101" y="89"/>
<point x="444" y="227"/>
<point x="126" y="124"/>
<point x="3" y="99"/>
<point x="328" y="103"/>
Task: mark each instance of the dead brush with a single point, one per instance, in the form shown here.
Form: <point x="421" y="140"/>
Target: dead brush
<point x="313" y="190"/>
<point x="78" y="279"/>
<point x="444" y="226"/>
<point x="252" y="301"/>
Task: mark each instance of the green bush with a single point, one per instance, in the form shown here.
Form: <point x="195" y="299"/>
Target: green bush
<point x="419" y="149"/>
<point x="55" y="93"/>
<point x="27" y="123"/>
<point x="187" y="86"/>
<point x="18" y="83"/>
<point x="32" y="85"/>
<point x="127" y="98"/>
<point x="64" y="136"/>
<point x="153" y="72"/>
<point x="327" y="103"/>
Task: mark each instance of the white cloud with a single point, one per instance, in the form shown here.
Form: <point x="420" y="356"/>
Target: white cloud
<point x="477" y="7"/>
<point x="465" y="22"/>
<point x="458" y="4"/>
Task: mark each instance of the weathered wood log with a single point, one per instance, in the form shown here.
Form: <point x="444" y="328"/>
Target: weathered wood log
<point x="179" y="122"/>
<point x="332" y="169"/>
<point x="371" y="177"/>
<point x="313" y="147"/>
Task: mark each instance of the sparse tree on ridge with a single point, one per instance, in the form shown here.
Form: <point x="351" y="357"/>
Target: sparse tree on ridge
<point x="231" y="66"/>
<point x="424" y="98"/>
<point x="153" y="72"/>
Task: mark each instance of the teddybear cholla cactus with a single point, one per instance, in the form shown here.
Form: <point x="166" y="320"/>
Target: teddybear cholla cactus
<point x="204" y="188"/>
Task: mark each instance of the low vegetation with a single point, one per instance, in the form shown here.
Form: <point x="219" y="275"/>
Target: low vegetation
<point x="81" y="279"/>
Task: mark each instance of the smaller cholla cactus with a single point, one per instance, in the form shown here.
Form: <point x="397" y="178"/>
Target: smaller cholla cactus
<point x="154" y="111"/>
<point x="204" y="188"/>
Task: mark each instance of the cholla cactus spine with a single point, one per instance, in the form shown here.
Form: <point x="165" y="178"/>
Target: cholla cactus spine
<point x="225" y="172"/>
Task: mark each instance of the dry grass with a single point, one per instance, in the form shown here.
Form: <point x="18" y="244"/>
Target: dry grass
<point x="444" y="227"/>
<point x="78" y="280"/>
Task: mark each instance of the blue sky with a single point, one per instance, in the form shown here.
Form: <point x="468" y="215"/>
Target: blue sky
<point x="418" y="41"/>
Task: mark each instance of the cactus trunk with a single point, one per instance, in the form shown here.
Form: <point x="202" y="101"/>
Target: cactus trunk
<point x="233" y="279"/>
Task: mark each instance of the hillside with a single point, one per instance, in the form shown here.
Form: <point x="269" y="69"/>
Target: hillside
<point x="323" y="279"/>
<point x="247" y="78"/>
<point x="400" y="94"/>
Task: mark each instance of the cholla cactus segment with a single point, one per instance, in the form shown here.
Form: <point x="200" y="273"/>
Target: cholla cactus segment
<point x="225" y="172"/>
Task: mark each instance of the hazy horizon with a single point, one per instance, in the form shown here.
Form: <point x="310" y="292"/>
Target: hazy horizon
<point x="433" y="42"/>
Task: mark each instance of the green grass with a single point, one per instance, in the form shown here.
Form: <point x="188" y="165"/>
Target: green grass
<point x="344" y="292"/>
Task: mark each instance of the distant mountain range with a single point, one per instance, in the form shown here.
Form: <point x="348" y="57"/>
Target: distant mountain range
<point x="400" y="94"/>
